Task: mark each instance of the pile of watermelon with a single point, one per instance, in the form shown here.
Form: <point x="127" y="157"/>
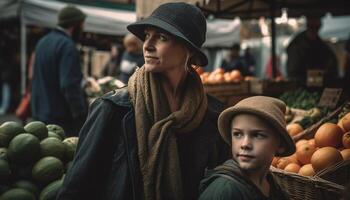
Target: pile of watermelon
<point x="33" y="160"/>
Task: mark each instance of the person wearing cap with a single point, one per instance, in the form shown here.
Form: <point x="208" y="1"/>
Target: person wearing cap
<point x="255" y="128"/>
<point x="307" y="51"/>
<point x="155" y="138"/>
<point x="57" y="96"/>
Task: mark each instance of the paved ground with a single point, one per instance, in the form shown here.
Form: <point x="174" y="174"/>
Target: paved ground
<point x="8" y="117"/>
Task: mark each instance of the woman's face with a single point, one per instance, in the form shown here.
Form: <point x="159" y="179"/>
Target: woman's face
<point x="162" y="52"/>
<point x="254" y="143"/>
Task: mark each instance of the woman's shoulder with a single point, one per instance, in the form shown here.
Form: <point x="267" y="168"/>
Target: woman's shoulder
<point x="111" y="101"/>
<point x="119" y="97"/>
<point x="214" y="105"/>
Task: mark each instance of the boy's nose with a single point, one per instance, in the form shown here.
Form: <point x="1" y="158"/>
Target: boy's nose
<point x="246" y="143"/>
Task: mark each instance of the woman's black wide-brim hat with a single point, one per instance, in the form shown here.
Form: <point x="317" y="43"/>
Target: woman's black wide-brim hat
<point x="184" y="21"/>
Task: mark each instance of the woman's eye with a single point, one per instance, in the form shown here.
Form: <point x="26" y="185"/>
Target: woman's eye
<point x="236" y="134"/>
<point x="146" y="35"/>
<point x="259" y="135"/>
<point x="162" y="37"/>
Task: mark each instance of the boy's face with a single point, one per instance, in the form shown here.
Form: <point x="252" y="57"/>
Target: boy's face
<point x="254" y="142"/>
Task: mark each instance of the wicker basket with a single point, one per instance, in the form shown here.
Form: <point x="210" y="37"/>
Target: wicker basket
<point x="310" y="132"/>
<point x="338" y="173"/>
<point x="307" y="188"/>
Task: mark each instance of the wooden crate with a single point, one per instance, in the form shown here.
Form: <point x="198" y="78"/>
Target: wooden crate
<point x="270" y="88"/>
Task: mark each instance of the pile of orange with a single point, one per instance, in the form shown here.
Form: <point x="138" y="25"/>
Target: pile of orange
<point x="330" y="145"/>
<point x="220" y="76"/>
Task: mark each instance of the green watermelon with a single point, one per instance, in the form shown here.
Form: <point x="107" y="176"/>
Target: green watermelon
<point x="23" y="149"/>
<point x="9" y="130"/>
<point x="51" y="190"/>
<point x="5" y="171"/>
<point x="3" y="153"/>
<point x="52" y="147"/>
<point x="27" y="185"/>
<point x="47" y="170"/>
<point x="71" y="146"/>
<point x="17" y="194"/>
<point x="54" y="135"/>
<point x="57" y="129"/>
<point x="37" y="128"/>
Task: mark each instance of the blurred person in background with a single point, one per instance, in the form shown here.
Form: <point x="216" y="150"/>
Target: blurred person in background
<point x="307" y="51"/>
<point x="234" y="61"/>
<point x="131" y="58"/>
<point x="249" y="61"/>
<point x="112" y="67"/>
<point x="57" y="96"/>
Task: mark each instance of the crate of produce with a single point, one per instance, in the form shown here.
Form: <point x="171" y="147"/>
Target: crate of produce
<point x="33" y="159"/>
<point x="306" y="188"/>
<point x="227" y="89"/>
<point x="269" y="87"/>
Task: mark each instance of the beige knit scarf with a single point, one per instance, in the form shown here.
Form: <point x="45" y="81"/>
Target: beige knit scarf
<point x="156" y="129"/>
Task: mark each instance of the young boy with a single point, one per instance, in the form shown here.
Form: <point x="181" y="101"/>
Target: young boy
<point x="255" y="129"/>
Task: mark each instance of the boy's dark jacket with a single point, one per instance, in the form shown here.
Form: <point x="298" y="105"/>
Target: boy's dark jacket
<point x="227" y="182"/>
<point x="106" y="162"/>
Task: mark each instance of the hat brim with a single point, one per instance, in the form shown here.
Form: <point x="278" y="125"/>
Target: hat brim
<point x="224" y="125"/>
<point x="138" y="28"/>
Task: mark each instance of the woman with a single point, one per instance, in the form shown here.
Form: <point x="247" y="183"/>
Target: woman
<point x="154" y="138"/>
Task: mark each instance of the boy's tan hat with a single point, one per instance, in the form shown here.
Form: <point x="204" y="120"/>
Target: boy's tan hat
<point x="268" y="108"/>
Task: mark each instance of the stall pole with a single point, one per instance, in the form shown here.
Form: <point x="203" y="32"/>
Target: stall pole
<point x="23" y="55"/>
<point x="273" y="39"/>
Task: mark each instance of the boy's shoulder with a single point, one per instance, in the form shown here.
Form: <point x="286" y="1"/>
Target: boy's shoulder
<point x="222" y="188"/>
<point x="225" y="182"/>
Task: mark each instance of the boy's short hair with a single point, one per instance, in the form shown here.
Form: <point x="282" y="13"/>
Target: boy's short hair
<point x="270" y="109"/>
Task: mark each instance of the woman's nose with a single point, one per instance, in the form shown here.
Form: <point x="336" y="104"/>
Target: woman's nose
<point x="148" y="45"/>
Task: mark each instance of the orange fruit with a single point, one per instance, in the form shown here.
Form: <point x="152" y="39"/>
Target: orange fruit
<point x="345" y="154"/>
<point x="346" y="140"/>
<point x="274" y="161"/>
<point x="283" y="162"/>
<point x="328" y="134"/>
<point x="306" y="170"/>
<point x="346" y="122"/>
<point x="340" y="124"/>
<point x="293" y="158"/>
<point x="325" y="157"/>
<point x="312" y="142"/>
<point x="236" y="75"/>
<point x="304" y="153"/>
<point x="292" y="167"/>
<point x="294" y="129"/>
<point x="219" y="71"/>
<point x="300" y="142"/>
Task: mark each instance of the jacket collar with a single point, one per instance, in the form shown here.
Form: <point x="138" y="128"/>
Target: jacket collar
<point x="120" y="97"/>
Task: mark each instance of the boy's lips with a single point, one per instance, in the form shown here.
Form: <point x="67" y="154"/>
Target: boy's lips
<point x="245" y="156"/>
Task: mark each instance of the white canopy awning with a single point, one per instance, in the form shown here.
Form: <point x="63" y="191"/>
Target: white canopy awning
<point x="99" y="20"/>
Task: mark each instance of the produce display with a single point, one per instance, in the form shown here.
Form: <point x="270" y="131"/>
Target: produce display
<point x="95" y="88"/>
<point x="301" y="98"/>
<point x="329" y="145"/>
<point x="33" y="160"/>
<point x="302" y="108"/>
